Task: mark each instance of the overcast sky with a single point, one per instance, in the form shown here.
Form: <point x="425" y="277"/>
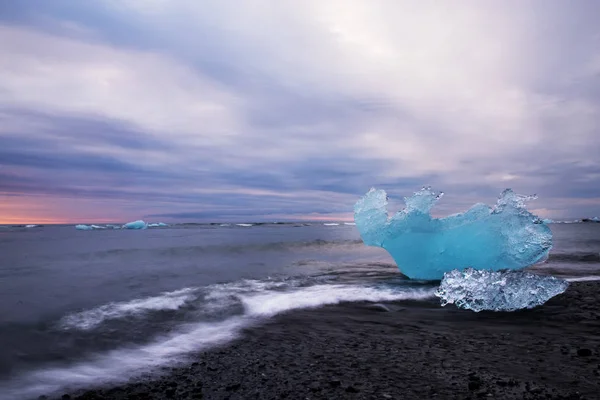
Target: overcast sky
<point x="200" y="110"/>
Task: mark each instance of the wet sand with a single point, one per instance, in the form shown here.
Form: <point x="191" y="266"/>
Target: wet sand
<point x="413" y="350"/>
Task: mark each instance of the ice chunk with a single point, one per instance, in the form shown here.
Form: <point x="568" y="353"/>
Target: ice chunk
<point x="83" y="227"/>
<point x="506" y="236"/>
<point x="135" y="225"/>
<point x="480" y="290"/>
<point x="548" y="221"/>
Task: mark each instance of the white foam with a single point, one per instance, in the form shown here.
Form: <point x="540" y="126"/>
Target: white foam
<point x="119" y="365"/>
<point x="89" y="319"/>
<point x="261" y="299"/>
<point x="272" y="303"/>
<point x="583" y="279"/>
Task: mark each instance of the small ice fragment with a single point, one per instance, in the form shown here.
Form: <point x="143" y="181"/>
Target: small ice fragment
<point x="135" y="225"/>
<point x="548" y="221"/>
<point x="330" y="224"/>
<point x="506" y="236"/>
<point x="245" y="225"/>
<point x="30" y="226"/>
<point x="157" y="225"/>
<point x="350" y="223"/>
<point x="98" y="227"/>
<point x="480" y="290"/>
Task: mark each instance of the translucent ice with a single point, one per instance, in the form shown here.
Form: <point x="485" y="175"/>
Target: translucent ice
<point x="480" y="290"/>
<point x="83" y="227"/>
<point x="135" y="225"/>
<point x="505" y="236"/>
<point x="548" y="221"/>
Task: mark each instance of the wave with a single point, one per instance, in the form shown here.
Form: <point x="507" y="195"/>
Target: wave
<point x="583" y="279"/>
<point x="90" y="319"/>
<point x="231" y="248"/>
<point x="260" y="300"/>
<point x="118" y="366"/>
<point x="270" y="304"/>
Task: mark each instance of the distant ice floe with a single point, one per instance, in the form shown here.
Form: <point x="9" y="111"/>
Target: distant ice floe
<point x="350" y="223"/>
<point x="331" y="224"/>
<point x="135" y="225"/>
<point x="130" y="225"/>
<point x="157" y="225"/>
<point x="245" y="225"/>
<point x="31" y="226"/>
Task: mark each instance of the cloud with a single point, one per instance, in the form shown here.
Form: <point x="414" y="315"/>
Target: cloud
<point x="182" y="105"/>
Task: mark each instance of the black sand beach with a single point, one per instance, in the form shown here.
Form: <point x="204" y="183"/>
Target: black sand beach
<point x="416" y="350"/>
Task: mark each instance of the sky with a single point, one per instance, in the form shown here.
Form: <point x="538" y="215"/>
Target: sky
<point x="260" y="110"/>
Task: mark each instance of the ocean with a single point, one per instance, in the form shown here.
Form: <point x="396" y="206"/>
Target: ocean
<point x="86" y="308"/>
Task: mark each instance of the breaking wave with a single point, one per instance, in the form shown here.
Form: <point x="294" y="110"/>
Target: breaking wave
<point x="89" y="319"/>
<point x="244" y="303"/>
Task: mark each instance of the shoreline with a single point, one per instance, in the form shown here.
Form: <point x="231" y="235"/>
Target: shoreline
<point x="416" y="350"/>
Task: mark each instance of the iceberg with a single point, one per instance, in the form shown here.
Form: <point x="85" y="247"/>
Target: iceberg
<point x="505" y="236"/>
<point x="480" y="290"/>
<point x="135" y="225"/>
